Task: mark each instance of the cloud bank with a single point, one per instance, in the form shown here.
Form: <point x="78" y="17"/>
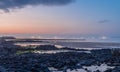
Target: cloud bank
<point x="7" y="5"/>
<point x="104" y="21"/>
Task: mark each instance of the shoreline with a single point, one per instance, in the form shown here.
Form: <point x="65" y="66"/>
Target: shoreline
<point x="42" y="58"/>
<point x="62" y="61"/>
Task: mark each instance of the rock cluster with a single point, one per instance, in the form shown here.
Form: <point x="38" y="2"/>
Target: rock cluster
<point x="35" y="62"/>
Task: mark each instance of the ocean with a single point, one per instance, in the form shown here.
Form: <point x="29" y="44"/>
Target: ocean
<point x="81" y="42"/>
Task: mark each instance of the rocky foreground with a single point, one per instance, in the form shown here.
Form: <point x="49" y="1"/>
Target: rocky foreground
<point x="24" y="59"/>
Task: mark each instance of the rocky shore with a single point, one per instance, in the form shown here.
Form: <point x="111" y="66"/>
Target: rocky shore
<point x="24" y="59"/>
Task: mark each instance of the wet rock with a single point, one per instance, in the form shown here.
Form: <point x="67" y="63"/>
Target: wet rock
<point x="116" y="69"/>
<point x="87" y="62"/>
<point x="97" y="71"/>
<point x="109" y="70"/>
<point x="46" y="47"/>
<point x="40" y="68"/>
<point x="36" y="62"/>
<point x="2" y="69"/>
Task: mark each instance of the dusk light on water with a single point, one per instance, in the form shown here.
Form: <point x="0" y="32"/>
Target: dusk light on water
<point x="59" y="36"/>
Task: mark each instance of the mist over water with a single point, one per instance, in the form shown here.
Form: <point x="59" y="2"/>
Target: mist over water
<point x="88" y="38"/>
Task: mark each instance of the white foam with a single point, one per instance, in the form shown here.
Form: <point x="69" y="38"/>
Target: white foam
<point x="101" y="68"/>
<point x="77" y="70"/>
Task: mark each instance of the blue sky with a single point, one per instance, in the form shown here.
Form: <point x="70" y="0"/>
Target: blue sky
<point x="60" y="17"/>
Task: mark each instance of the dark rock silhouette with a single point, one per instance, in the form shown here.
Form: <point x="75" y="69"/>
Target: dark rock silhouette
<point x="36" y="62"/>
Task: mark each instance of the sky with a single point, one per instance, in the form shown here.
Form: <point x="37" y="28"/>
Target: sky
<point x="60" y="17"/>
